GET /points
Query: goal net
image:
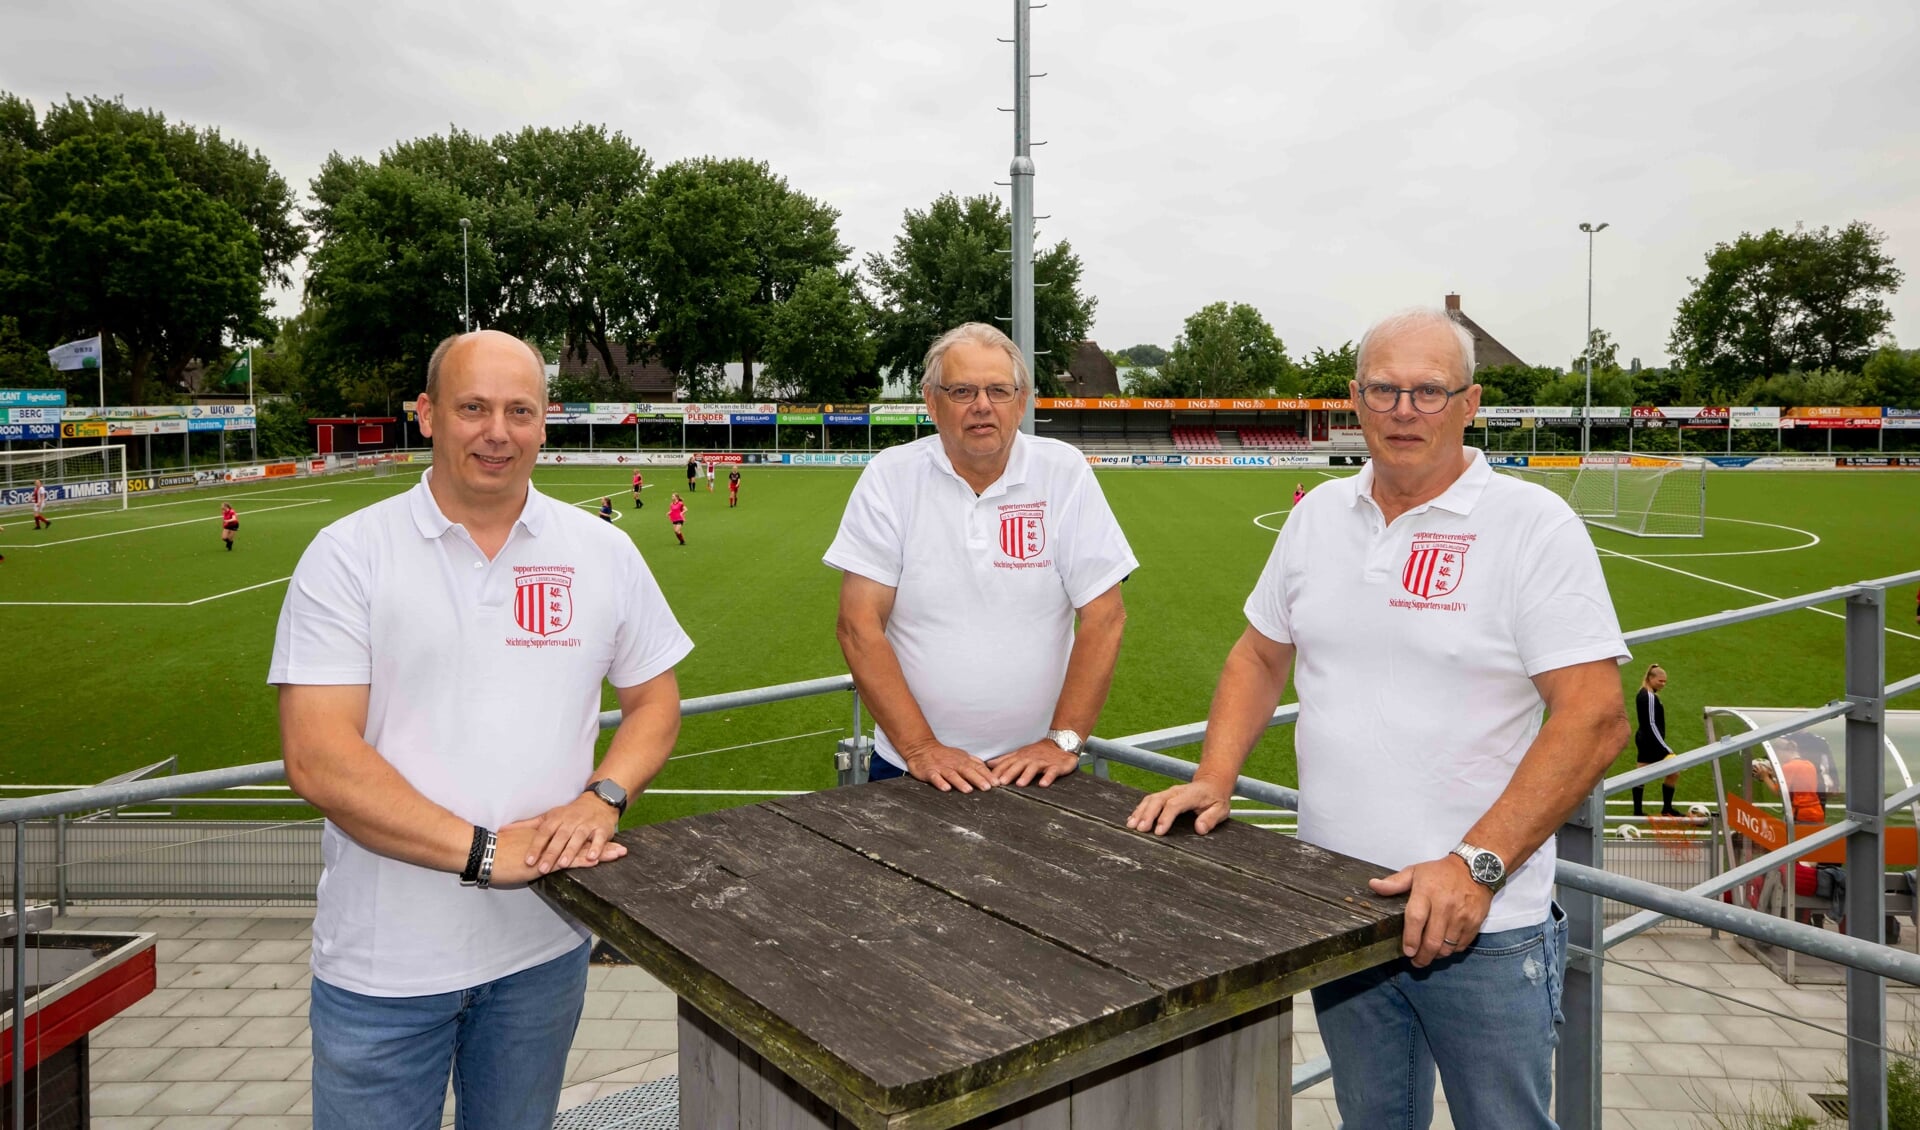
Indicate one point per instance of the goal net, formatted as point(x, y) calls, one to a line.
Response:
point(1643, 495)
point(90, 477)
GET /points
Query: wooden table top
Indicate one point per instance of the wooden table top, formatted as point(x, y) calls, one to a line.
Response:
point(895, 948)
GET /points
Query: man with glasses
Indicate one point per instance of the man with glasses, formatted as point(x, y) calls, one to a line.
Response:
point(1429, 611)
point(966, 556)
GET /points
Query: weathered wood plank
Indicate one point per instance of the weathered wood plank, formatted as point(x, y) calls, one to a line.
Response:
point(1237, 1075)
point(1269, 857)
point(1142, 1093)
point(709, 1072)
point(1184, 921)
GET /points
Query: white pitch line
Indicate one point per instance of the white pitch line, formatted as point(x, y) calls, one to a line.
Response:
point(138, 603)
point(161, 526)
point(1738, 588)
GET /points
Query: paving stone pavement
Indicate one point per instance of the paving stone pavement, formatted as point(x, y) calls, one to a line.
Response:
point(222, 1042)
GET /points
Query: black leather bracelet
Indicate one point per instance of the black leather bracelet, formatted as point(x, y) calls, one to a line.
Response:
point(470, 875)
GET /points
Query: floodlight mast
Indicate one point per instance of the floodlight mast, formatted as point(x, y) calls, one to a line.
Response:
point(1586, 413)
point(1022, 183)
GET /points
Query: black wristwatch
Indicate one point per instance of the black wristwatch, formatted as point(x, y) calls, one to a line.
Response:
point(1487, 869)
point(613, 794)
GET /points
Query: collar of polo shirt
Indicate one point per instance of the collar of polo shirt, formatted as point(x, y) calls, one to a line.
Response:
point(1459, 497)
point(1012, 475)
point(431, 523)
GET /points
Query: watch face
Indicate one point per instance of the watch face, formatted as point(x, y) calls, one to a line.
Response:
point(1487, 867)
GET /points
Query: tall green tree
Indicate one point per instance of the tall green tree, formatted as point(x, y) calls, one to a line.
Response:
point(156, 234)
point(949, 266)
point(1606, 353)
point(1894, 374)
point(1782, 301)
point(722, 243)
point(1512, 384)
point(818, 345)
point(1324, 374)
point(544, 256)
point(1225, 350)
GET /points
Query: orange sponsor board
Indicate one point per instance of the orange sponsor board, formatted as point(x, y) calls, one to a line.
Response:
point(1750, 821)
point(281, 470)
point(1184, 404)
point(1829, 413)
point(1553, 461)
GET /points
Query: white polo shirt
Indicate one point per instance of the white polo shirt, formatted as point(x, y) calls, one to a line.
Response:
point(1415, 648)
point(987, 585)
point(484, 681)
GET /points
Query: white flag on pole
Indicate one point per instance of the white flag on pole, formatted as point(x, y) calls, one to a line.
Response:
point(82, 354)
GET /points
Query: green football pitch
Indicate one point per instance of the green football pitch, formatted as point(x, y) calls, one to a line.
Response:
point(133, 636)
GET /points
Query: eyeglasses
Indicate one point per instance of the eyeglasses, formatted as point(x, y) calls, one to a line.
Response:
point(1427, 399)
point(964, 394)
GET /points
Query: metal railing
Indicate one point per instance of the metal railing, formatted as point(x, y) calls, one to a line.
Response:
point(1583, 883)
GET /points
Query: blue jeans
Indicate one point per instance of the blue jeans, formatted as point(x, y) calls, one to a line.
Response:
point(381, 1063)
point(880, 769)
point(1486, 1018)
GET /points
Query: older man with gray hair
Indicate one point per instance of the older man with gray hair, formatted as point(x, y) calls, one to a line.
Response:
point(1429, 613)
point(966, 557)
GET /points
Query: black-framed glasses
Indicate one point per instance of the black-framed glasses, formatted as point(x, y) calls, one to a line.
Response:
point(1427, 399)
point(965, 394)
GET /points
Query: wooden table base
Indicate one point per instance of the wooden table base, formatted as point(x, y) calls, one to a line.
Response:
point(1233, 1076)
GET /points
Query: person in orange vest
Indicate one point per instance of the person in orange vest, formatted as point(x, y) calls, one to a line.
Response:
point(1803, 779)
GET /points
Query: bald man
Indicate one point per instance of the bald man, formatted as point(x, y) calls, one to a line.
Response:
point(440, 658)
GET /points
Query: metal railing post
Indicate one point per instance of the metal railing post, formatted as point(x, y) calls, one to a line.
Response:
point(19, 972)
point(60, 863)
point(1577, 1083)
point(1866, 856)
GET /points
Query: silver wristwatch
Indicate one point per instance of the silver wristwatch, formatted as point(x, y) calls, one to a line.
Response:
point(1486, 868)
point(1067, 740)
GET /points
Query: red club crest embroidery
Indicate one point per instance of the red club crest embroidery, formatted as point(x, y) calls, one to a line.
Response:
point(543, 602)
point(1023, 533)
point(1434, 567)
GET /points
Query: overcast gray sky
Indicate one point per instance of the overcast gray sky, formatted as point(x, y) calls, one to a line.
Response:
point(1325, 162)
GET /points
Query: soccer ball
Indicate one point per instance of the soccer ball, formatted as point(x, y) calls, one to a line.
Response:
point(1698, 812)
point(1628, 831)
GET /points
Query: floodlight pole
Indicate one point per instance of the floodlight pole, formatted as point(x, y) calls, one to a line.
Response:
point(1586, 413)
point(1022, 183)
point(466, 299)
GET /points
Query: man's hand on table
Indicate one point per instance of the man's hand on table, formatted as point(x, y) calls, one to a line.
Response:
point(1041, 759)
point(576, 834)
point(1445, 907)
point(1209, 803)
point(947, 768)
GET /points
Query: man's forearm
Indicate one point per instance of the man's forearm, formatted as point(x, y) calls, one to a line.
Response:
point(1243, 704)
point(640, 746)
point(367, 798)
point(883, 687)
point(1096, 649)
point(1566, 759)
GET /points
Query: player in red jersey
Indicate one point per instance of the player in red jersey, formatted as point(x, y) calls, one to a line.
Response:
point(733, 487)
point(229, 522)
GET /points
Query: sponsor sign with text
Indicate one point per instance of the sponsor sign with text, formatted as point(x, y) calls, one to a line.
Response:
point(32, 398)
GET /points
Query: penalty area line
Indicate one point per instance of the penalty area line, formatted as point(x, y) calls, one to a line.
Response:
point(1892, 631)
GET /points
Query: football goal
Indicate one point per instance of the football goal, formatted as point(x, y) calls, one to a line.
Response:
point(1643, 495)
point(91, 476)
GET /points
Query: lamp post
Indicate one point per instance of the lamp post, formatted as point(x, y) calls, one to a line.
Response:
point(1586, 413)
point(466, 300)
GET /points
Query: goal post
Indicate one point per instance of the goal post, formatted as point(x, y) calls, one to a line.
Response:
point(94, 477)
point(1645, 496)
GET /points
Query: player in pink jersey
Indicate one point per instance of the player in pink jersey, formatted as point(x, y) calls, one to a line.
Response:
point(639, 484)
point(677, 514)
point(1299, 492)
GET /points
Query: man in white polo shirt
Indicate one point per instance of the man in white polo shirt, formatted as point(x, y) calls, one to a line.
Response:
point(966, 556)
point(1429, 610)
point(440, 657)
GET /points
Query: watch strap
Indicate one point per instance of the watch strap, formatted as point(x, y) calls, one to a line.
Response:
point(470, 874)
